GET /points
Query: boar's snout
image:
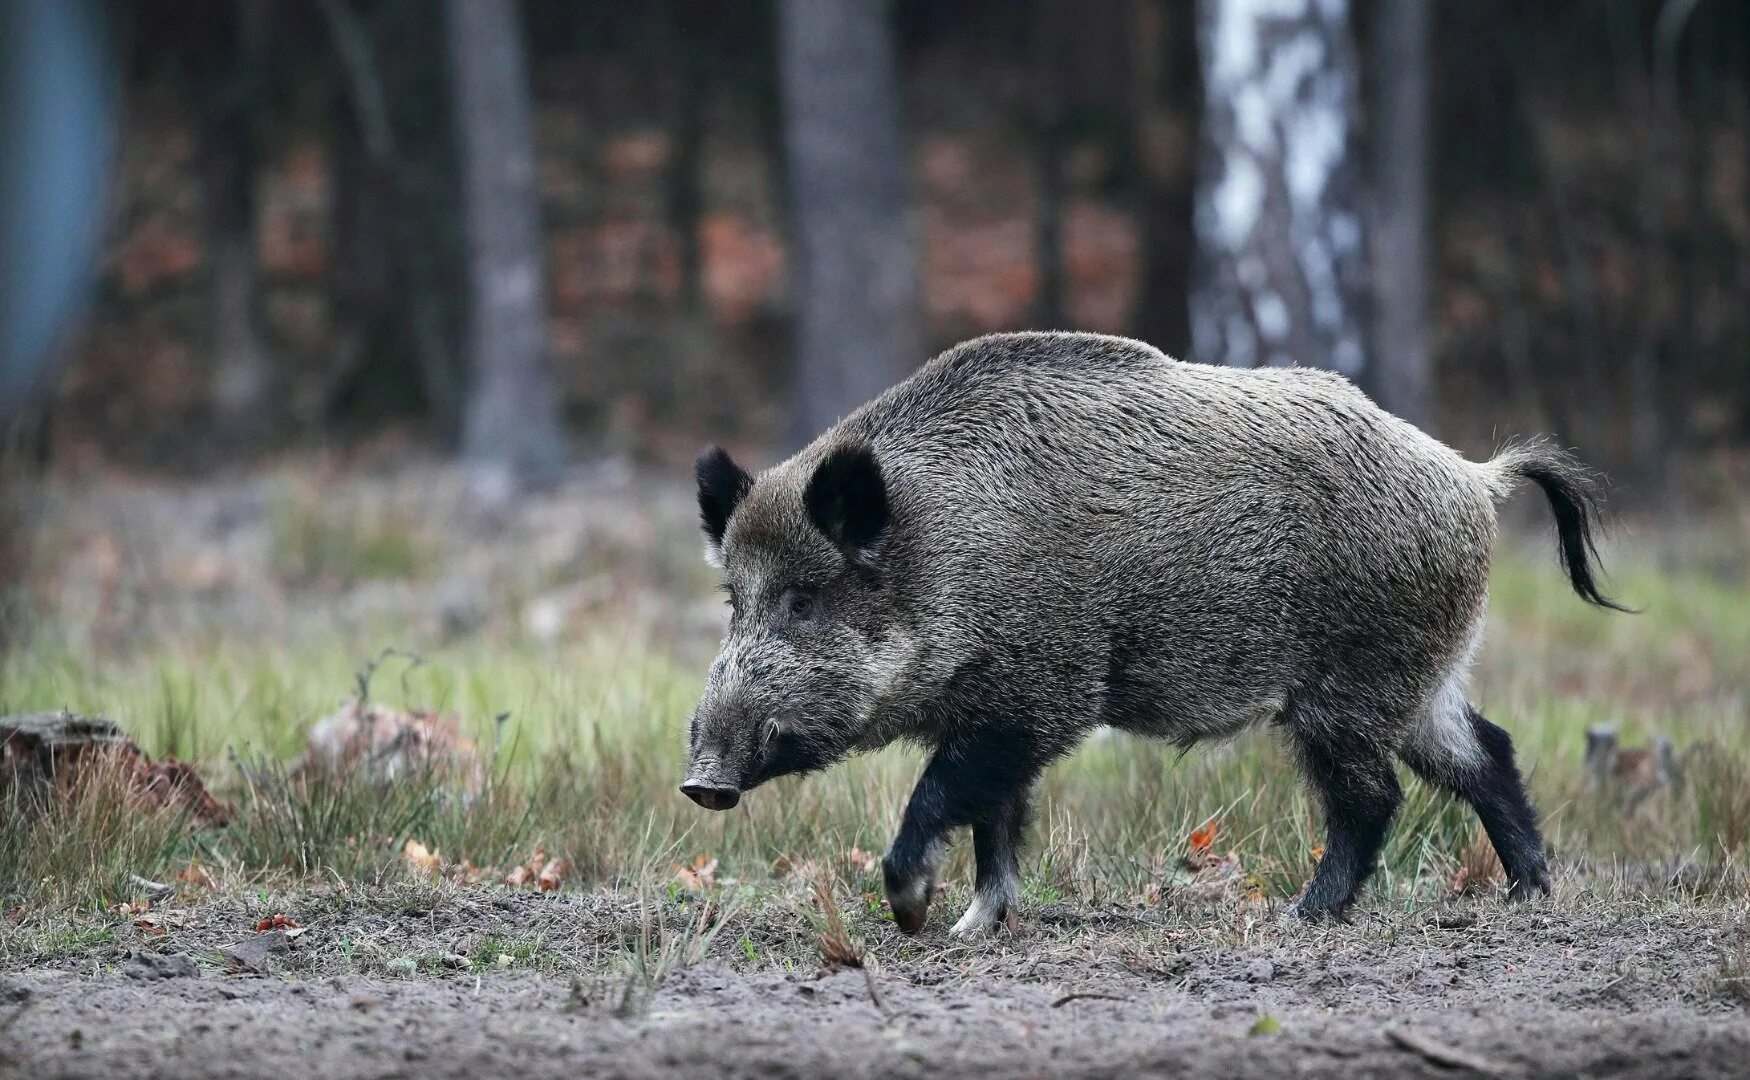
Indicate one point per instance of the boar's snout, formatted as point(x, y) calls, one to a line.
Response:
point(710, 795)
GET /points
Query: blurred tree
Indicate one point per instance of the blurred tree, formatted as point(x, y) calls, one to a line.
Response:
point(242, 389)
point(681, 33)
point(1281, 271)
point(1400, 374)
point(511, 419)
point(1049, 19)
point(398, 253)
point(1167, 100)
point(856, 277)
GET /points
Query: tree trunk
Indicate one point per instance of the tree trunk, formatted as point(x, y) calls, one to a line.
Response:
point(1168, 100)
point(1048, 300)
point(1281, 271)
point(1402, 368)
point(511, 419)
point(242, 369)
point(686, 197)
point(856, 275)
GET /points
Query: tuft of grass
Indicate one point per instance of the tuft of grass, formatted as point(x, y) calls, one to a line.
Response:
point(586, 766)
point(82, 845)
point(317, 544)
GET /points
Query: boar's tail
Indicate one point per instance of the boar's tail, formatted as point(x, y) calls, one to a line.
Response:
point(1573, 494)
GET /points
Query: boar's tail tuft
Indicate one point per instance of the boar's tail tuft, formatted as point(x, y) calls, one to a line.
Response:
point(1573, 494)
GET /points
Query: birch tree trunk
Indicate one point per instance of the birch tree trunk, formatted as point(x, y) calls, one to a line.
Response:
point(1281, 266)
point(1402, 368)
point(856, 276)
point(511, 417)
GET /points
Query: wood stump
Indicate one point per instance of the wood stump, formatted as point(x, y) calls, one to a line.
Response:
point(46, 755)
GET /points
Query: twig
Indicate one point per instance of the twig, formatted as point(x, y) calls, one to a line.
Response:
point(875, 994)
point(1441, 1054)
point(1067, 998)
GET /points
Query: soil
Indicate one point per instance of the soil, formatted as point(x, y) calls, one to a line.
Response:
point(1618, 991)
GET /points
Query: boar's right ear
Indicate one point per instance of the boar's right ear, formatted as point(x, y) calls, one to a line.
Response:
point(722, 486)
point(847, 500)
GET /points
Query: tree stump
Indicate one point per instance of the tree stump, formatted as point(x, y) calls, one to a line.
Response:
point(46, 755)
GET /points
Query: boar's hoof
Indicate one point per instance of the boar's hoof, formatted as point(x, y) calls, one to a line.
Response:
point(1302, 912)
point(986, 915)
point(1529, 889)
point(909, 918)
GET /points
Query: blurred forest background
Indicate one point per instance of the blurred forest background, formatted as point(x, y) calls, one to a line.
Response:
point(525, 232)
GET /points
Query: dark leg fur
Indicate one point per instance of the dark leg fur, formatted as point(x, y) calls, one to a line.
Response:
point(982, 783)
point(1494, 788)
point(1358, 788)
point(996, 841)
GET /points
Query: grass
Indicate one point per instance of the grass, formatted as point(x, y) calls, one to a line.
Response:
point(585, 767)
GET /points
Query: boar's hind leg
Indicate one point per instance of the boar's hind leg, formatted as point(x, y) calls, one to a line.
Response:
point(1472, 758)
point(1352, 773)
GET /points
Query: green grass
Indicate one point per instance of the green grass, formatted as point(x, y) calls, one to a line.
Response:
point(335, 546)
point(585, 767)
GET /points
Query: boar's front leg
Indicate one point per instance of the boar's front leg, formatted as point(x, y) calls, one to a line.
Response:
point(996, 841)
point(977, 784)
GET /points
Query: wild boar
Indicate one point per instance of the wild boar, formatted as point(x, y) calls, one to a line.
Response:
point(1038, 534)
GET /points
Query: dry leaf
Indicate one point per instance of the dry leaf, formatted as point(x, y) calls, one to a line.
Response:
point(1204, 838)
point(1479, 868)
point(519, 876)
point(276, 922)
point(548, 879)
point(133, 907)
point(197, 875)
point(865, 861)
point(418, 857)
point(700, 876)
point(466, 873)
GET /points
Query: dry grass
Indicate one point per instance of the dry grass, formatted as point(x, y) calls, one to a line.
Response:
point(584, 772)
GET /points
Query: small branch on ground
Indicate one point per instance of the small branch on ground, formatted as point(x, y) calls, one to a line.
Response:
point(1441, 1054)
point(1067, 998)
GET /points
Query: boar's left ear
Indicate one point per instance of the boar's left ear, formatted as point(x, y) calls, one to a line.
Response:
point(722, 486)
point(847, 500)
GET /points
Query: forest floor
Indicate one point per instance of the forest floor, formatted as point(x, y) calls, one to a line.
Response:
point(550, 905)
point(1570, 987)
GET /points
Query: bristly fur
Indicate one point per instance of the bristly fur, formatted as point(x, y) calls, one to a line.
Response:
point(1077, 531)
point(722, 485)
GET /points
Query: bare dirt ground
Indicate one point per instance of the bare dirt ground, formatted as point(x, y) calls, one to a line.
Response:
point(1452, 990)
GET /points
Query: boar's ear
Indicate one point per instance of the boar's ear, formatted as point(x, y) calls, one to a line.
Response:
point(847, 500)
point(722, 486)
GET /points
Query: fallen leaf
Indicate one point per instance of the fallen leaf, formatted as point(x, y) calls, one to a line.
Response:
point(466, 873)
point(133, 907)
point(548, 879)
point(700, 876)
point(1265, 1025)
point(418, 857)
point(543, 872)
point(276, 922)
point(1204, 838)
point(866, 861)
point(197, 875)
point(149, 926)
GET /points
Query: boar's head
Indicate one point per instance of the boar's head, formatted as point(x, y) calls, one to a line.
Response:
point(810, 644)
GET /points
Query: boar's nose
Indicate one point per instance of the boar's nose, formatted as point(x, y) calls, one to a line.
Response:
point(711, 796)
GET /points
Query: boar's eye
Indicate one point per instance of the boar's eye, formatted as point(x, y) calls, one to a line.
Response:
point(803, 605)
point(728, 596)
